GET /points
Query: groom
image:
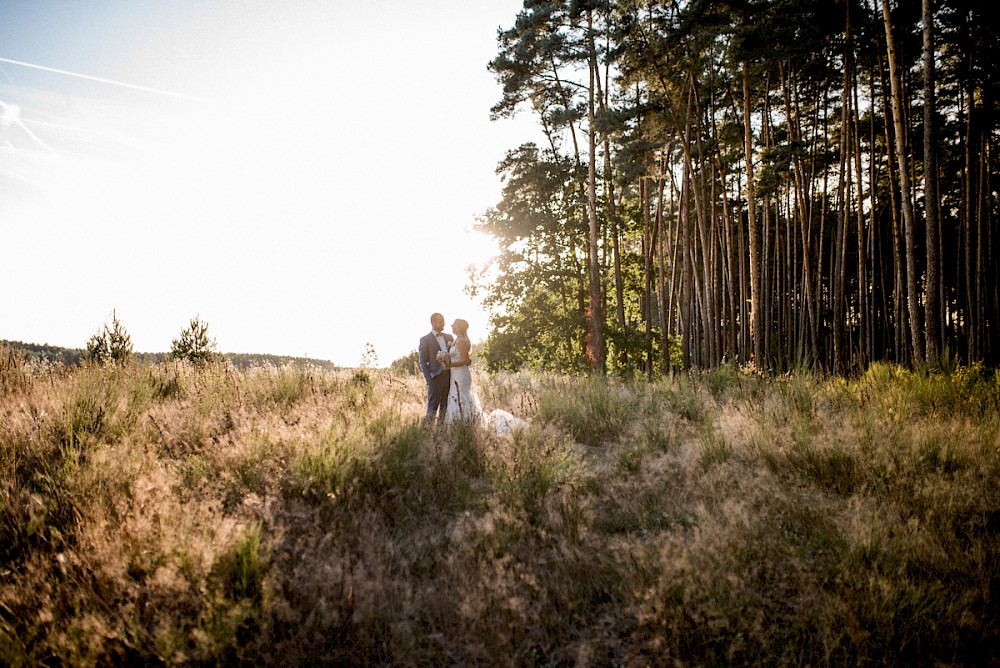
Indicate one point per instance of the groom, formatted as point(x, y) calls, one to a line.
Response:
point(437, 374)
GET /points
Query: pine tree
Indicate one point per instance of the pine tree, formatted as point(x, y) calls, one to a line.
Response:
point(112, 344)
point(194, 344)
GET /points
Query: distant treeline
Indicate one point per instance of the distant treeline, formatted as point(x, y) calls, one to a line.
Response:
point(74, 356)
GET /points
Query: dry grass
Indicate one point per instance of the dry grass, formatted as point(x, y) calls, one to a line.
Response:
point(180, 515)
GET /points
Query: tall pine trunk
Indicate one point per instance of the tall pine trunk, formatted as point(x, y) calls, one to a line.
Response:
point(906, 191)
point(595, 313)
point(932, 290)
point(756, 315)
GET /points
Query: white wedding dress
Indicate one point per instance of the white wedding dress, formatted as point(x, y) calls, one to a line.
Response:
point(463, 404)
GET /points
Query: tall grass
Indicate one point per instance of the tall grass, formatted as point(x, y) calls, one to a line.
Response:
point(595, 411)
point(175, 514)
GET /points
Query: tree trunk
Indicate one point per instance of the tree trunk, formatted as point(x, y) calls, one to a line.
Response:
point(864, 335)
point(595, 313)
point(756, 316)
point(932, 290)
point(803, 216)
point(906, 197)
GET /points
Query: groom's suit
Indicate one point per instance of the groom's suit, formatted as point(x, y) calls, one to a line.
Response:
point(437, 375)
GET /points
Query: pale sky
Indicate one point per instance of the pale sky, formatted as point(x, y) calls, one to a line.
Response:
point(303, 175)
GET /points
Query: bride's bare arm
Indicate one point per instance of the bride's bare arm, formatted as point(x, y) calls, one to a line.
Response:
point(464, 346)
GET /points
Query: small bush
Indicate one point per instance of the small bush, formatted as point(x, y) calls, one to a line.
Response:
point(359, 389)
point(165, 381)
point(721, 380)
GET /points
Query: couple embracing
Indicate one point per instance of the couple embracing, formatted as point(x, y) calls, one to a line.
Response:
point(444, 361)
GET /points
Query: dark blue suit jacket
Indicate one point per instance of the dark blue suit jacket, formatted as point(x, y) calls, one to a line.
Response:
point(428, 350)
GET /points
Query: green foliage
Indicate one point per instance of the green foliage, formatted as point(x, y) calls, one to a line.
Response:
point(194, 344)
point(55, 355)
point(250, 471)
point(538, 290)
point(45, 354)
point(407, 365)
point(720, 379)
point(322, 467)
point(112, 344)
point(35, 510)
point(359, 389)
point(468, 448)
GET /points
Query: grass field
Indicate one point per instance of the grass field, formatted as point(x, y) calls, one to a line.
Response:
point(168, 514)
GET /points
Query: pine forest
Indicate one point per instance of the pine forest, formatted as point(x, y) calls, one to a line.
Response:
point(784, 184)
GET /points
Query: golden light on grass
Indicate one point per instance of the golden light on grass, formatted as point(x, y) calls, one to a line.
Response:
point(184, 514)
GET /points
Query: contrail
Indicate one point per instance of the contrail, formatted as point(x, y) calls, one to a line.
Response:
point(14, 117)
point(35, 137)
point(112, 82)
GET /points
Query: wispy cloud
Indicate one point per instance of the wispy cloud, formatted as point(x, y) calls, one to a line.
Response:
point(110, 82)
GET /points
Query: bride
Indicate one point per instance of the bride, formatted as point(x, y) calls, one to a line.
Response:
point(463, 404)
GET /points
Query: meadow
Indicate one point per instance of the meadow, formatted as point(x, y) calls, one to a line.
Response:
point(170, 514)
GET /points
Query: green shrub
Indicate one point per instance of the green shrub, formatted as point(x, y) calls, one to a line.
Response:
point(291, 385)
point(194, 344)
point(468, 455)
point(110, 345)
point(721, 379)
point(359, 389)
point(232, 609)
point(408, 365)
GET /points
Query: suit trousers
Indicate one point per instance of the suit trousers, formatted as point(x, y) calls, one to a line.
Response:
point(437, 396)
